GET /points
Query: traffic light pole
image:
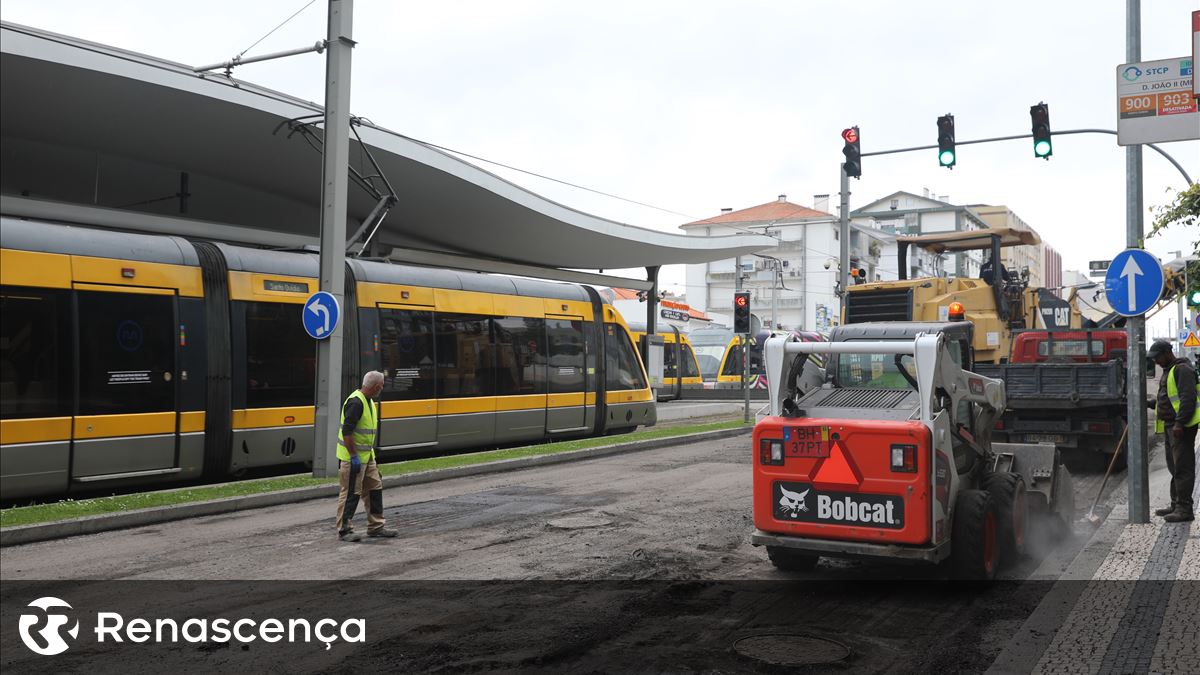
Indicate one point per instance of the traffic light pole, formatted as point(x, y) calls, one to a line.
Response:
point(1068, 132)
point(737, 286)
point(844, 240)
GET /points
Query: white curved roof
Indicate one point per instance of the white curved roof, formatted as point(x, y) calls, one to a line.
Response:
point(68, 103)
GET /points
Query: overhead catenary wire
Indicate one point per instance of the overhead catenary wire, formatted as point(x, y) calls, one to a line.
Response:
point(270, 32)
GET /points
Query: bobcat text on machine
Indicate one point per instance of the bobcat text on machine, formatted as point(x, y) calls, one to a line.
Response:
point(892, 457)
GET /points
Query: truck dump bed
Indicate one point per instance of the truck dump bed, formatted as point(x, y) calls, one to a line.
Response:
point(1059, 385)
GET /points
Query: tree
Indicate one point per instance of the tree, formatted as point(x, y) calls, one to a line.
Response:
point(1183, 212)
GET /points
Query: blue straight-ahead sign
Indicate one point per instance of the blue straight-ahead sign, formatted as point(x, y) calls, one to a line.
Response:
point(320, 315)
point(1134, 282)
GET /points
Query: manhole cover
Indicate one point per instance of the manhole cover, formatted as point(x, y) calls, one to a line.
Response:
point(781, 649)
point(578, 522)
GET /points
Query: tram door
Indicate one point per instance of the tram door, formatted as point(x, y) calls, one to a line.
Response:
point(571, 390)
point(126, 423)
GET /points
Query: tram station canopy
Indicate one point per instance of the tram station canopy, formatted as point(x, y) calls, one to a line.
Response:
point(96, 129)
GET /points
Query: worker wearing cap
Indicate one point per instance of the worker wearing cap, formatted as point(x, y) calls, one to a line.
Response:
point(1178, 419)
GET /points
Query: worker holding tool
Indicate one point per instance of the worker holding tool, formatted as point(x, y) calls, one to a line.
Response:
point(1178, 419)
point(358, 475)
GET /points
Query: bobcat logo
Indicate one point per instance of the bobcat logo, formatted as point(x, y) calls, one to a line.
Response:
point(793, 502)
point(50, 634)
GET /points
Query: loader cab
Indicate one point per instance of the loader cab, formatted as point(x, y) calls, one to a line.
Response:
point(874, 371)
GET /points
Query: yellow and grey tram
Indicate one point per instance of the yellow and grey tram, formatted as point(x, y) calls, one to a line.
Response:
point(133, 359)
point(680, 369)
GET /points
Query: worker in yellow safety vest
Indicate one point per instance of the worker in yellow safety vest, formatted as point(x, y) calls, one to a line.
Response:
point(358, 475)
point(1178, 420)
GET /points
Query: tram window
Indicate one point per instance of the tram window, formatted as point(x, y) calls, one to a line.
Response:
point(464, 356)
point(35, 338)
point(757, 367)
point(733, 362)
point(520, 355)
point(622, 369)
point(127, 356)
point(670, 361)
point(280, 357)
point(406, 347)
point(690, 369)
point(567, 353)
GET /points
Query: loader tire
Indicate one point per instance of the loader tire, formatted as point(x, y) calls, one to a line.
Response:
point(1012, 513)
point(791, 561)
point(975, 545)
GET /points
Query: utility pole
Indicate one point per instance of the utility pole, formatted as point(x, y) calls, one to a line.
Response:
point(336, 152)
point(1139, 479)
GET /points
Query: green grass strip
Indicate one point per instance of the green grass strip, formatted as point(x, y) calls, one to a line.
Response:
point(69, 508)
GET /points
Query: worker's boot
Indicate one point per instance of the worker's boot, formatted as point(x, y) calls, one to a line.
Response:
point(382, 532)
point(350, 536)
point(1165, 512)
point(1179, 516)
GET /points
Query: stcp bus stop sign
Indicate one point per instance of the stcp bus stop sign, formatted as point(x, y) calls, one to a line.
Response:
point(320, 315)
point(1134, 282)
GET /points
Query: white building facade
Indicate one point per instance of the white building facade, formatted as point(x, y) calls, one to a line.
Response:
point(793, 285)
point(906, 214)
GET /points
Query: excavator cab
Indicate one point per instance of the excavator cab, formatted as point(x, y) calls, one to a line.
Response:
point(997, 302)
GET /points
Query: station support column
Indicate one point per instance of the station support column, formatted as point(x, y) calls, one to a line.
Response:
point(334, 187)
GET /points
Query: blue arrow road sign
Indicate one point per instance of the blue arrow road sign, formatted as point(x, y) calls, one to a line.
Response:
point(1134, 282)
point(320, 315)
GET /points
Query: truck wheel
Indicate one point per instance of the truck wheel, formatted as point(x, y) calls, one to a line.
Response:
point(975, 545)
point(791, 561)
point(1012, 512)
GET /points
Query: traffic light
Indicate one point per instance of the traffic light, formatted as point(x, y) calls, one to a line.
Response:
point(853, 153)
point(1039, 115)
point(946, 141)
point(1193, 299)
point(741, 312)
point(858, 275)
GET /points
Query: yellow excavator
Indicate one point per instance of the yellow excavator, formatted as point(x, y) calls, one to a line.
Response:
point(997, 304)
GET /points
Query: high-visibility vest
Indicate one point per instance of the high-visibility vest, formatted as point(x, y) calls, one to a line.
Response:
point(364, 431)
point(1173, 397)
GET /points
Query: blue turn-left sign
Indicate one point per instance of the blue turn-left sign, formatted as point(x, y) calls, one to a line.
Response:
point(1134, 282)
point(320, 315)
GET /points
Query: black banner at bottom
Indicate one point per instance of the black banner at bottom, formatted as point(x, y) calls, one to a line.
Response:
point(366, 625)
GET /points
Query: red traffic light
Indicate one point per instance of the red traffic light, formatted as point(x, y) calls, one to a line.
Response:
point(850, 135)
point(741, 300)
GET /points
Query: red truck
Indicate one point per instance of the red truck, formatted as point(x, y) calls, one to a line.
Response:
point(1065, 388)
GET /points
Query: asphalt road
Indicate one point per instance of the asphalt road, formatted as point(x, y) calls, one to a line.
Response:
point(629, 562)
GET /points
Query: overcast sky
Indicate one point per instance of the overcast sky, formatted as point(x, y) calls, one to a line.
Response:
point(694, 106)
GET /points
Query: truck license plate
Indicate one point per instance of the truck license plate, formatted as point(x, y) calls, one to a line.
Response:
point(1057, 439)
point(806, 441)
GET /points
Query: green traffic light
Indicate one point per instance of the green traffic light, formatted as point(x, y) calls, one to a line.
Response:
point(946, 158)
point(1195, 298)
point(1041, 148)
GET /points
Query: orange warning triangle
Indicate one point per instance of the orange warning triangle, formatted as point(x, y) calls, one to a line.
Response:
point(1192, 340)
point(837, 468)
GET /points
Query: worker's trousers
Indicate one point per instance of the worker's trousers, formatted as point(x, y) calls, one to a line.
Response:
point(359, 483)
point(1181, 462)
